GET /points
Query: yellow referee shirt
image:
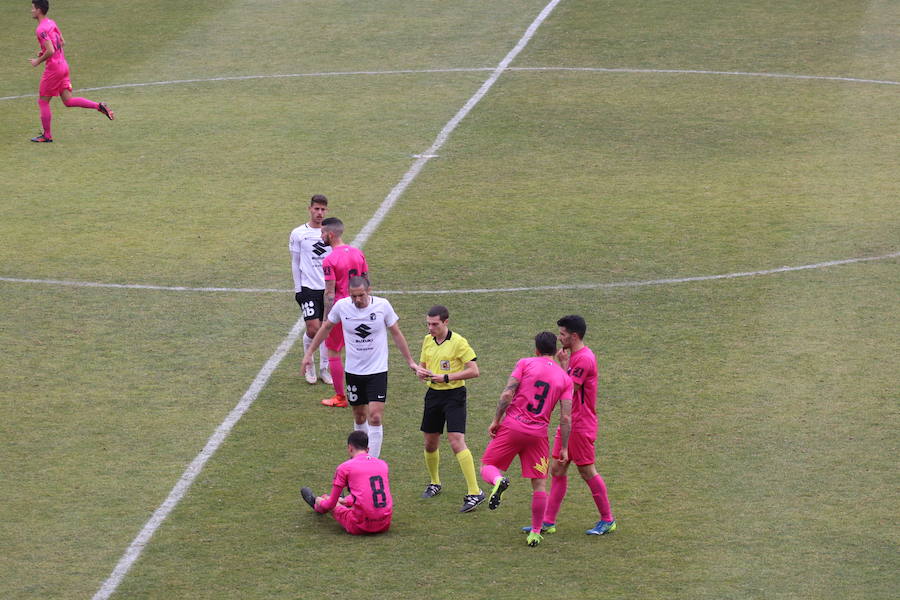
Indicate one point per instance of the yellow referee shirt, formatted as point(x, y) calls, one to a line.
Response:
point(450, 356)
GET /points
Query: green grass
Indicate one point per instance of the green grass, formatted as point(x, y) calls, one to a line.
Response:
point(748, 426)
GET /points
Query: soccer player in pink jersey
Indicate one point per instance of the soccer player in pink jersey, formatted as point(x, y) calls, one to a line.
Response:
point(581, 365)
point(520, 427)
point(369, 506)
point(55, 80)
point(343, 262)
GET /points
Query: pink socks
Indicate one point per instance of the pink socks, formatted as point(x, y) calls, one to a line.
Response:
point(81, 103)
point(46, 117)
point(538, 506)
point(337, 374)
point(557, 492)
point(490, 473)
point(598, 491)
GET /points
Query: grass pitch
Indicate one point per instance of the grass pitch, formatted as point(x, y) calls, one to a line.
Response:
point(748, 426)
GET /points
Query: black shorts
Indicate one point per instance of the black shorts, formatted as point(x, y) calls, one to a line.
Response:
point(444, 406)
point(312, 303)
point(362, 389)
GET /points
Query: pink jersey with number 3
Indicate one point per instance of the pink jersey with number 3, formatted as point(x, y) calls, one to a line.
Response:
point(367, 479)
point(542, 383)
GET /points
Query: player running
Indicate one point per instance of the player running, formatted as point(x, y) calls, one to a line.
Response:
point(520, 427)
point(581, 365)
point(55, 80)
point(344, 262)
point(308, 250)
point(369, 506)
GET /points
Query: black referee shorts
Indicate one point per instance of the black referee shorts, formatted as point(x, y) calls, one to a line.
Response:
point(445, 406)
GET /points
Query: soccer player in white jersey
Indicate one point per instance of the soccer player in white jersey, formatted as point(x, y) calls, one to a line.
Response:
point(366, 321)
point(308, 250)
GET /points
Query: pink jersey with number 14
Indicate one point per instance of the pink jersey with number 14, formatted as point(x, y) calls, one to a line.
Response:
point(47, 30)
point(542, 383)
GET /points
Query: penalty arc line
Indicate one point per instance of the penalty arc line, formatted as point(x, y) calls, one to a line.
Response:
point(573, 286)
point(190, 474)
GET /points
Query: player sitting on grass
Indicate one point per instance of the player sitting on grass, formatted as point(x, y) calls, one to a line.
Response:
point(369, 506)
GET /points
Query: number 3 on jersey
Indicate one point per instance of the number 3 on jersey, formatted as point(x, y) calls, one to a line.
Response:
point(544, 388)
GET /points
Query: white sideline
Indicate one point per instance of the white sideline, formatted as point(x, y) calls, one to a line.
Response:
point(134, 550)
point(573, 286)
point(471, 70)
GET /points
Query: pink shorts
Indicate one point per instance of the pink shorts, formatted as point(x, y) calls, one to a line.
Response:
point(335, 339)
point(581, 448)
point(354, 521)
point(54, 81)
point(532, 451)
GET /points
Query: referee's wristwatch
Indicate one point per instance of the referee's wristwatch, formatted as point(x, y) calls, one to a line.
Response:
point(446, 378)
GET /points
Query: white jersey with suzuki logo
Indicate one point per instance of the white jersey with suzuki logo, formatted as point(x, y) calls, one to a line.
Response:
point(308, 251)
point(365, 333)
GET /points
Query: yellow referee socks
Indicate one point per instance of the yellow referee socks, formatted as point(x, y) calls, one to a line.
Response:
point(468, 468)
point(433, 462)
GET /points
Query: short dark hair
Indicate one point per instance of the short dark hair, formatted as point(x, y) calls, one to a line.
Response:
point(318, 199)
point(439, 311)
point(545, 343)
point(574, 324)
point(358, 280)
point(41, 5)
point(333, 224)
point(358, 439)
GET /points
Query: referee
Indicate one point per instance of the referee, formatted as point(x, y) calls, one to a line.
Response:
point(446, 362)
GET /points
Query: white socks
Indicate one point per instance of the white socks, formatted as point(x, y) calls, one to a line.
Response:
point(376, 435)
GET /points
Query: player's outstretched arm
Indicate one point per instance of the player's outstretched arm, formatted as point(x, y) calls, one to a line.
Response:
point(403, 347)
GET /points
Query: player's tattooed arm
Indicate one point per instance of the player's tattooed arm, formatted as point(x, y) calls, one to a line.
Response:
point(329, 295)
point(506, 397)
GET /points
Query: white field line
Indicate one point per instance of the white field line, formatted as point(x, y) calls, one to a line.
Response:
point(573, 286)
point(439, 141)
point(472, 70)
point(634, 284)
point(137, 546)
point(134, 550)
